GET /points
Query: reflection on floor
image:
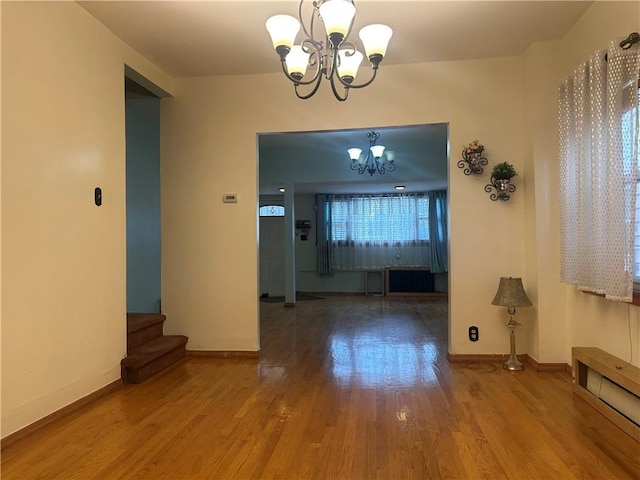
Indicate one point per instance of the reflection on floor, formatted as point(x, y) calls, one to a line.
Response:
point(345, 388)
point(362, 341)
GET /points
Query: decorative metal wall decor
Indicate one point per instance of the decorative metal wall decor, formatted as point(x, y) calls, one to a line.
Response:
point(472, 159)
point(501, 176)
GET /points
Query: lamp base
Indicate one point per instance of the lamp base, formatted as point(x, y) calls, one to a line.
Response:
point(513, 364)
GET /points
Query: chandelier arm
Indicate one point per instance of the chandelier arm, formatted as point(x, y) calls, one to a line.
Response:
point(332, 73)
point(335, 91)
point(331, 61)
point(364, 166)
point(349, 46)
point(312, 92)
point(304, 27)
point(368, 165)
point(361, 85)
point(315, 45)
point(355, 166)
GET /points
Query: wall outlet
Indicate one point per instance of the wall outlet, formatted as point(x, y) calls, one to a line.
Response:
point(474, 333)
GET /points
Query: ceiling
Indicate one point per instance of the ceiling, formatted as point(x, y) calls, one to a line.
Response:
point(205, 38)
point(319, 163)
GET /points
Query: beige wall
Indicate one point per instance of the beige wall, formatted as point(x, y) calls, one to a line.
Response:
point(210, 248)
point(508, 103)
point(547, 340)
point(63, 258)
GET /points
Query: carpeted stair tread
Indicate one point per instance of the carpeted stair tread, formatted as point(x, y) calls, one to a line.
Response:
point(140, 321)
point(143, 354)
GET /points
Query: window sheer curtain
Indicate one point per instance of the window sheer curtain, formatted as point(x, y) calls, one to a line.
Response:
point(371, 232)
point(598, 113)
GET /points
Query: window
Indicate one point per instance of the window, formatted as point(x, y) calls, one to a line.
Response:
point(371, 232)
point(377, 219)
point(272, 211)
point(376, 231)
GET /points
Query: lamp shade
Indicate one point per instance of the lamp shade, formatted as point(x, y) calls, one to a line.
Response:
point(337, 16)
point(511, 293)
point(375, 39)
point(377, 150)
point(283, 30)
point(348, 64)
point(297, 60)
point(354, 153)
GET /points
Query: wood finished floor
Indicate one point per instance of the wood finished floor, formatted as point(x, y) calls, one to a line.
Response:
point(345, 388)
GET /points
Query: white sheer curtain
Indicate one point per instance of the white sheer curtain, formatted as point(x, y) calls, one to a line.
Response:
point(375, 231)
point(598, 107)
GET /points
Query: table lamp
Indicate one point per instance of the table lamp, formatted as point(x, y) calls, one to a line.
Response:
point(511, 294)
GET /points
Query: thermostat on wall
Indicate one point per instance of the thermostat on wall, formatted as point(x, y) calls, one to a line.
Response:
point(230, 198)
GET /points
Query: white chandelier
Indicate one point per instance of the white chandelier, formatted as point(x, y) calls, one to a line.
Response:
point(373, 161)
point(335, 58)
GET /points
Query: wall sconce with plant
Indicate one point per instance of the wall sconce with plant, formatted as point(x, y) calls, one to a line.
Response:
point(501, 176)
point(472, 159)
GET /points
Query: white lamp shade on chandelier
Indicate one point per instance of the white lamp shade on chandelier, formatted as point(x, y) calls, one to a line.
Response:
point(334, 58)
point(283, 30)
point(348, 63)
point(297, 61)
point(354, 153)
point(375, 39)
point(337, 16)
point(377, 150)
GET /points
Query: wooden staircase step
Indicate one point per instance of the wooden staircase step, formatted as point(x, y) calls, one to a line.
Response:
point(146, 360)
point(140, 321)
point(143, 328)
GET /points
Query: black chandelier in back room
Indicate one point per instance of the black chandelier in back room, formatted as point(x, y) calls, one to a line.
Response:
point(375, 160)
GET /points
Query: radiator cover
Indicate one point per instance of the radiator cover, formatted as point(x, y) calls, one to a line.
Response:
point(408, 280)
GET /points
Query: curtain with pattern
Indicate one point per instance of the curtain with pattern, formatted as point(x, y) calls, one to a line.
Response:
point(371, 232)
point(598, 122)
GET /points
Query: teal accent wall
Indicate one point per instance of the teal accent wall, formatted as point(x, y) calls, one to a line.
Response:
point(143, 204)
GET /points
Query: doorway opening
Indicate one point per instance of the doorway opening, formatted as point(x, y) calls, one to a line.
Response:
point(315, 163)
point(142, 137)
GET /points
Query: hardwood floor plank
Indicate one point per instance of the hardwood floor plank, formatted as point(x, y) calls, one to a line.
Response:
point(345, 388)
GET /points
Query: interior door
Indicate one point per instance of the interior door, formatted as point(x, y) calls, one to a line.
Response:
point(272, 256)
